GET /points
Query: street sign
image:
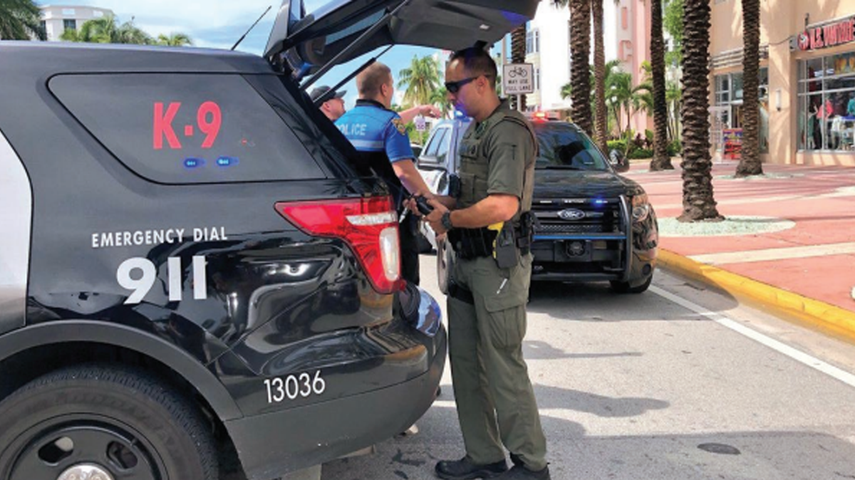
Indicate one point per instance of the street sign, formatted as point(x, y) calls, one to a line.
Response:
point(517, 78)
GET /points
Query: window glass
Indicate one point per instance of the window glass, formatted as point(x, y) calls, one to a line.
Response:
point(442, 152)
point(562, 146)
point(69, 24)
point(729, 92)
point(433, 146)
point(736, 88)
point(826, 118)
point(174, 128)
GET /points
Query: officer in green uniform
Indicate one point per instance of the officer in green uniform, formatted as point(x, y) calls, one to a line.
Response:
point(489, 226)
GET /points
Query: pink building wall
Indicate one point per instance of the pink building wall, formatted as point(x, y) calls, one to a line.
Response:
point(633, 37)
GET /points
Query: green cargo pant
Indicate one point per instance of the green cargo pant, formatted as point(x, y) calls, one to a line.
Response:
point(494, 396)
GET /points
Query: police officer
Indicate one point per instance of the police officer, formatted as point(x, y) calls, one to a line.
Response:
point(333, 108)
point(486, 305)
point(380, 137)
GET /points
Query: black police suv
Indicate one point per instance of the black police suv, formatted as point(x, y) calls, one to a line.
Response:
point(192, 270)
point(592, 223)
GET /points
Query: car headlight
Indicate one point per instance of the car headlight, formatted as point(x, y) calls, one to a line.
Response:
point(640, 208)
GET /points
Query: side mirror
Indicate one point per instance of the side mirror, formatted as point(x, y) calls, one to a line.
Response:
point(618, 161)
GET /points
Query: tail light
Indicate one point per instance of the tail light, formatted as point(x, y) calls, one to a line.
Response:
point(368, 225)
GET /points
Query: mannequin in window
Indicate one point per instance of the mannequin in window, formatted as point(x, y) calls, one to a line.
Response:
point(836, 132)
point(814, 139)
point(850, 109)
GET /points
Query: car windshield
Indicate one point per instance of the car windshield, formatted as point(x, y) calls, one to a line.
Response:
point(564, 147)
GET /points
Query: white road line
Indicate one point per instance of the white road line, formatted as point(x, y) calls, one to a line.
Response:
point(737, 327)
point(785, 253)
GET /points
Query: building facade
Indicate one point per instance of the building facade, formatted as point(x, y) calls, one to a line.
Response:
point(58, 18)
point(807, 78)
point(548, 49)
point(633, 48)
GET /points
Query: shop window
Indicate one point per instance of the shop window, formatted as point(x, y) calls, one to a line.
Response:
point(826, 118)
point(729, 92)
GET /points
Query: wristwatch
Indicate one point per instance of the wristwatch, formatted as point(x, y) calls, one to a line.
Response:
point(446, 221)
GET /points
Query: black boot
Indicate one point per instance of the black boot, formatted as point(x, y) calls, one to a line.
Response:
point(466, 470)
point(520, 472)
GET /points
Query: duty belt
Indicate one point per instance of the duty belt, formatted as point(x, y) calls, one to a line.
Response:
point(472, 243)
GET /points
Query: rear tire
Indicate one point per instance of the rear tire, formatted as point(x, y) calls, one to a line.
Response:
point(124, 422)
point(625, 287)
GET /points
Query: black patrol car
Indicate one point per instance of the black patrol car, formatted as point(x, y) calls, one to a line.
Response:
point(192, 270)
point(592, 223)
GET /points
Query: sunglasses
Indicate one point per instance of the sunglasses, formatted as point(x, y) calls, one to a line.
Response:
point(454, 87)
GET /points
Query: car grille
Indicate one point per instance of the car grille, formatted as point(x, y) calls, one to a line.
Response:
point(558, 228)
point(601, 216)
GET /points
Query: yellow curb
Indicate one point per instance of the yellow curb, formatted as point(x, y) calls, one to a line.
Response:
point(830, 319)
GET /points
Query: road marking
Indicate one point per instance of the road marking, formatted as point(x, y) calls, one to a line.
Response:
point(737, 327)
point(784, 253)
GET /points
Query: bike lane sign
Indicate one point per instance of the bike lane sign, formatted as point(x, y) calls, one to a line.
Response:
point(517, 78)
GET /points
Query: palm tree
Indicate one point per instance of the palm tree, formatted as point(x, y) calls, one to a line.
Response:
point(107, 30)
point(439, 98)
point(698, 201)
point(600, 121)
point(661, 159)
point(620, 95)
point(599, 80)
point(749, 163)
point(174, 40)
point(518, 56)
point(421, 79)
point(99, 30)
point(20, 20)
point(580, 78)
point(130, 34)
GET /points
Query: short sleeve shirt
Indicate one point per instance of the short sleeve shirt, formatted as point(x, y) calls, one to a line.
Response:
point(372, 128)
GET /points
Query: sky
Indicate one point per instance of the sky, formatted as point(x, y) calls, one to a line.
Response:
point(220, 23)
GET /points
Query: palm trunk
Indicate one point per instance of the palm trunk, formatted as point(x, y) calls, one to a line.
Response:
point(698, 201)
point(580, 74)
point(749, 163)
point(617, 121)
point(518, 56)
point(628, 118)
point(661, 159)
point(601, 122)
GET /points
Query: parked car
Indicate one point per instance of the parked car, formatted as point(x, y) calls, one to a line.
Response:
point(193, 268)
point(593, 223)
point(417, 149)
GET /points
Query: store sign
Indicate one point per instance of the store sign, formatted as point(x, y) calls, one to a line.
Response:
point(828, 36)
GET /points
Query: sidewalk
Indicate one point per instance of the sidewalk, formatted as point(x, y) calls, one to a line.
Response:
point(788, 243)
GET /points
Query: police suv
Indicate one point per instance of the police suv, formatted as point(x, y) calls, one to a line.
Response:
point(192, 270)
point(592, 223)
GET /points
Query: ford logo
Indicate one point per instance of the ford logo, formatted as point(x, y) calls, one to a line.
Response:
point(571, 214)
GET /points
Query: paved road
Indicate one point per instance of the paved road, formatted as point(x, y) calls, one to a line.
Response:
point(663, 385)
